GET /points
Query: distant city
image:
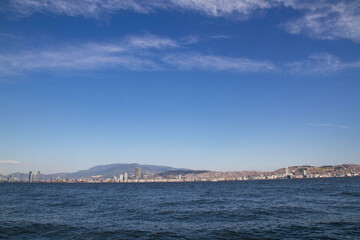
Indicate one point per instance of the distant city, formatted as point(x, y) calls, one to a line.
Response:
point(163, 174)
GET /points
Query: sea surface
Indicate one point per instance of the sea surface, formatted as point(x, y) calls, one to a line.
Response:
point(265, 209)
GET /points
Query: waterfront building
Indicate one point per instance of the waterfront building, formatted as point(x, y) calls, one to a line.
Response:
point(38, 178)
point(137, 173)
point(125, 176)
point(286, 171)
point(30, 174)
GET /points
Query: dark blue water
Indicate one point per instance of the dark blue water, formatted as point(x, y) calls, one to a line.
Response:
point(274, 209)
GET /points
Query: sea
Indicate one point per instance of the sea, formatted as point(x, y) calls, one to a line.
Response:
point(323, 208)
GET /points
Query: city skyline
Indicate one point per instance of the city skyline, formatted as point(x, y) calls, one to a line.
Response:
point(217, 85)
point(121, 173)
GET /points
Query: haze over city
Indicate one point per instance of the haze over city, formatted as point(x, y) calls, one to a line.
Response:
point(215, 85)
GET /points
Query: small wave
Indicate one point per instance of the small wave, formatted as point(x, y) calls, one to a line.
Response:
point(353, 194)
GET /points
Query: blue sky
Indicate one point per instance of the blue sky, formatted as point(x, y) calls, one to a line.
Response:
point(220, 85)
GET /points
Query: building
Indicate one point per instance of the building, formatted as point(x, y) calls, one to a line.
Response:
point(38, 178)
point(137, 173)
point(125, 176)
point(286, 171)
point(30, 175)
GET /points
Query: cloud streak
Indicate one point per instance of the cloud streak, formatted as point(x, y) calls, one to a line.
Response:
point(328, 125)
point(216, 63)
point(326, 19)
point(136, 53)
point(323, 19)
point(97, 8)
point(320, 63)
point(9, 162)
point(126, 53)
point(153, 53)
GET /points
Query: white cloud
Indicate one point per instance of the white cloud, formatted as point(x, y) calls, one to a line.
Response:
point(239, 9)
point(191, 39)
point(8, 162)
point(326, 19)
point(220, 36)
point(328, 125)
point(322, 19)
point(137, 53)
point(151, 41)
point(320, 63)
point(152, 53)
point(127, 53)
point(216, 63)
point(8, 35)
point(86, 8)
point(97, 8)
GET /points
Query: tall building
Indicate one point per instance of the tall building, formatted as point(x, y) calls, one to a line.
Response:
point(38, 178)
point(30, 174)
point(125, 176)
point(286, 171)
point(137, 173)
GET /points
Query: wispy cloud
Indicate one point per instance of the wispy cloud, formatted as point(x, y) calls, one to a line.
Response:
point(137, 53)
point(151, 41)
point(323, 19)
point(127, 53)
point(327, 125)
point(326, 19)
point(191, 39)
point(320, 63)
point(152, 53)
point(220, 36)
point(216, 63)
point(96, 9)
point(9, 162)
point(8, 35)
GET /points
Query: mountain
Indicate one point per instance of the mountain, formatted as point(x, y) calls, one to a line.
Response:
point(110, 170)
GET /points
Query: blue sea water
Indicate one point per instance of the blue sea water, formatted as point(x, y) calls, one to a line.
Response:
point(269, 209)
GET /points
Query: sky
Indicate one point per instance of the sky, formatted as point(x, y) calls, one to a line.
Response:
point(219, 85)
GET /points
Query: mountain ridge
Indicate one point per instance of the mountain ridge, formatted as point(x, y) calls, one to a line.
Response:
point(116, 169)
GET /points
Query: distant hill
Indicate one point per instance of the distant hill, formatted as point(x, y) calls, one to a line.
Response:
point(175, 173)
point(351, 168)
point(110, 170)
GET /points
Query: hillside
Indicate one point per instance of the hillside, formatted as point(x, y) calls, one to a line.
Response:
point(110, 170)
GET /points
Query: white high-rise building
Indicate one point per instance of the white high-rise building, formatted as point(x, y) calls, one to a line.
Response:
point(286, 171)
point(38, 176)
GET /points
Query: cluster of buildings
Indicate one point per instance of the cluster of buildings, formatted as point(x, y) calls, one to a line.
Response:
point(213, 176)
point(32, 177)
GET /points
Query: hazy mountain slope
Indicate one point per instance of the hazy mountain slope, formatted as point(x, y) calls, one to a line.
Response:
point(110, 170)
